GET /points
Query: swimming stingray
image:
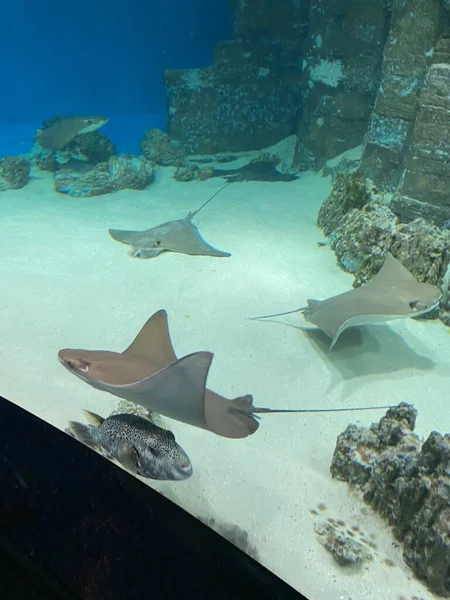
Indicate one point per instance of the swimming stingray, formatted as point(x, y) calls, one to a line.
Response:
point(393, 293)
point(64, 130)
point(173, 236)
point(262, 170)
point(149, 373)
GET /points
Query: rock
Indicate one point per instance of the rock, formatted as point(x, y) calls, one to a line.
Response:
point(158, 149)
point(186, 174)
point(344, 167)
point(92, 148)
point(411, 37)
point(408, 484)
point(341, 73)
point(345, 549)
point(423, 190)
point(14, 172)
point(349, 191)
point(118, 173)
point(362, 239)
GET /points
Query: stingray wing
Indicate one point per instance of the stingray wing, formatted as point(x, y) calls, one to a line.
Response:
point(152, 343)
point(176, 391)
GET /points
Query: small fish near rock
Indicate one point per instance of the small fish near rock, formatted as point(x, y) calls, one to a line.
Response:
point(117, 173)
point(14, 172)
point(136, 443)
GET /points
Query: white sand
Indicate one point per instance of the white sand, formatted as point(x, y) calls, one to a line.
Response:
point(65, 283)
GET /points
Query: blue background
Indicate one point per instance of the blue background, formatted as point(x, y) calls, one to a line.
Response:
point(99, 57)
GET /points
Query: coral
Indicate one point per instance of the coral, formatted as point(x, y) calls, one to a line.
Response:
point(408, 483)
point(119, 172)
point(14, 172)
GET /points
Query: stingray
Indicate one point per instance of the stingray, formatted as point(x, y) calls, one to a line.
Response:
point(262, 170)
point(173, 236)
point(148, 373)
point(393, 293)
point(63, 131)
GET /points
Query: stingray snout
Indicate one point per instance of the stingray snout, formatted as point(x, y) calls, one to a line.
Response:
point(73, 363)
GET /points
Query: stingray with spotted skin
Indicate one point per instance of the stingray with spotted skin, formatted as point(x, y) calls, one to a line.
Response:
point(180, 236)
point(148, 373)
point(393, 293)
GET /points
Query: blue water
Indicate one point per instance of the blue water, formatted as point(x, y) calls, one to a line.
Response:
point(98, 58)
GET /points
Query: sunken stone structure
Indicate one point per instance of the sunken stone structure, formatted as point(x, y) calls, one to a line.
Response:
point(408, 483)
point(251, 97)
point(341, 75)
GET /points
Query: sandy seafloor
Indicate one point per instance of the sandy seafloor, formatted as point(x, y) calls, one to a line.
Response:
point(66, 283)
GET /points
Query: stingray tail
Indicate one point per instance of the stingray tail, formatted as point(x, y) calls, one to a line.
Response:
point(257, 409)
point(288, 312)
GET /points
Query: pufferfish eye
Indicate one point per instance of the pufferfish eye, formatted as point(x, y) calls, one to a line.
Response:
point(418, 305)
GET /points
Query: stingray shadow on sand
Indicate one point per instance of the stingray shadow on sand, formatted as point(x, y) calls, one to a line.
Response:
point(374, 351)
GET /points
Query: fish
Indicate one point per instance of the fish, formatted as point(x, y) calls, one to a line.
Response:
point(136, 443)
point(61, 133)
point(181, 236)
point(393, 293)
point(149, 373)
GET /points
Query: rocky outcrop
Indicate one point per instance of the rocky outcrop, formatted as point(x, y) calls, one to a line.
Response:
point(408, 483)
point(425, 182)
point(349, 191)
point(341, 73)
point(414, 29)
point(118, 173)
point(14, 172)
point(156, 146)
point(250, 97)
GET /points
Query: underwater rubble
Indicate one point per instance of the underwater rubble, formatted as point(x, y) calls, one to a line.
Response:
point(408, 483)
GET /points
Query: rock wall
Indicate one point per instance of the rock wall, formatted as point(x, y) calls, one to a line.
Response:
point(341, 74)
point(250, 97)
point(414, 30)
point(425, 182)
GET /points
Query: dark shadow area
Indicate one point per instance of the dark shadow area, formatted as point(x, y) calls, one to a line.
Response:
point(364, 351)
point(72, 519)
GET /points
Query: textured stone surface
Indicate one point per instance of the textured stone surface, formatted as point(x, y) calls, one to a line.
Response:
point(424, 187)
point(118, 173)
point(250, 97)
point(349, 191)
point(14, 172)
point(408, 484)
point(414, 28)
point(341, 72)
point(156, 146)
point(345, 549)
